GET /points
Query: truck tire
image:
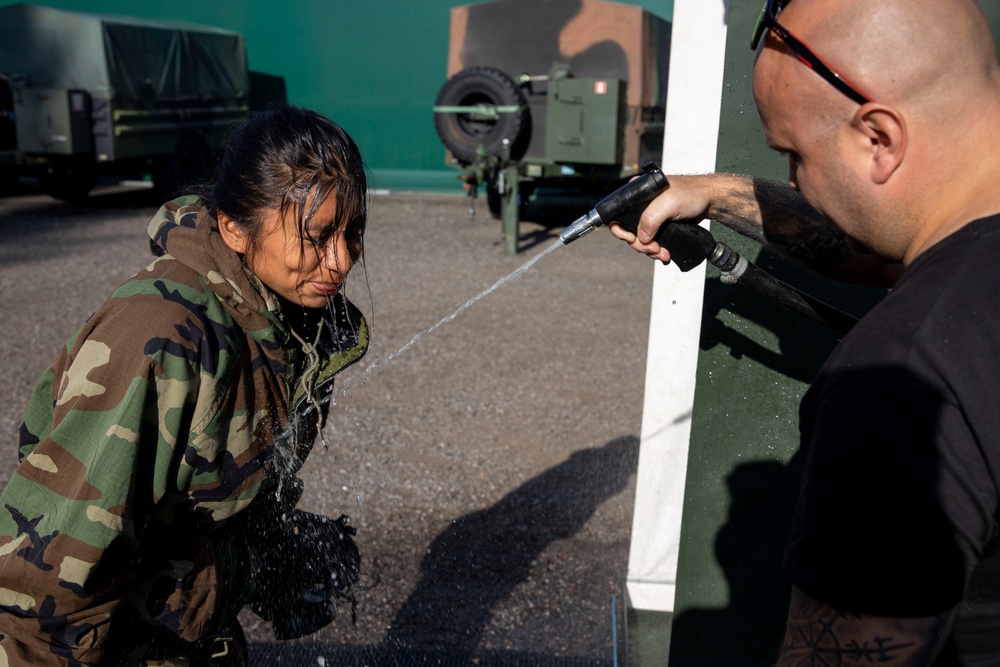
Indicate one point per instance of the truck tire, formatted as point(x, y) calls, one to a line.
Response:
point(190, 164)
point(9, 180)
point(463, 133)
point(68, 183)
point(494, 199)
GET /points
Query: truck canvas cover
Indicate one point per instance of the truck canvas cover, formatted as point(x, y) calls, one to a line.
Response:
point(131, 63)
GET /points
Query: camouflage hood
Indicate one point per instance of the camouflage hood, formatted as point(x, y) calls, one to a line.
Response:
point(183, 232)
point(194, 241)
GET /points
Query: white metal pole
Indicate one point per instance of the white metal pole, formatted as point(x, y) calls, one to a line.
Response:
point(694, 95)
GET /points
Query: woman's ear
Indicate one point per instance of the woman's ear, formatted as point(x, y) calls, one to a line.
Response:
point(232, 233)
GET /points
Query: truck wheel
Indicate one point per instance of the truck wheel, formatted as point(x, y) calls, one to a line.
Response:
point(494, 200)
point(69, 184)
point(463, 133)
point(190, 164)
point(9, 180)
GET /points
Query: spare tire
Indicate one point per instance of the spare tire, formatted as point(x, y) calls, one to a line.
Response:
point(463, 132)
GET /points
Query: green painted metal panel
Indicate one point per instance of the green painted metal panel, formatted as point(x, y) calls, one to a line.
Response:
point(583, 121)
point(755, 363)
point(374, 67)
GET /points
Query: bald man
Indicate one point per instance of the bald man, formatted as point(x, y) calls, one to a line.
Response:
point(889, 113)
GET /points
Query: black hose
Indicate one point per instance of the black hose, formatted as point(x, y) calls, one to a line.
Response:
point(735, 269)
point(691, 244)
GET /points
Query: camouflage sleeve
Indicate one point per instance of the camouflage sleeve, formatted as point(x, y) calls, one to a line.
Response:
point(97, 455)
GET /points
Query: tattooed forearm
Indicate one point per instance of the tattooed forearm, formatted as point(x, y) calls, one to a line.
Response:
point(819, 634)
point(779, 217)
point(739, 209)
point(793, 227)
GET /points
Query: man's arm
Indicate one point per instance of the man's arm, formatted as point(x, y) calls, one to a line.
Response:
point(819, 634)
point(770, 213)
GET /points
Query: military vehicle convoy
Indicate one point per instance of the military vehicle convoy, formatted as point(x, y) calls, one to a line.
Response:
point(86, 94)
point(551, 103)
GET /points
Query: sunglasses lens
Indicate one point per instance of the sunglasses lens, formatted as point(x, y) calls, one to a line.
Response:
point(771, 9)
point(758, 30)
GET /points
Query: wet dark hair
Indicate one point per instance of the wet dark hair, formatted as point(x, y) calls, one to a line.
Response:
point(276, 160)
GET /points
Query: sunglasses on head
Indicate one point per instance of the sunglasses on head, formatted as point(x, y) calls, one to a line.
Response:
point(768, 20)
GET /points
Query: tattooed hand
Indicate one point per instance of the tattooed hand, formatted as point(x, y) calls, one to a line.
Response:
point(819, 634)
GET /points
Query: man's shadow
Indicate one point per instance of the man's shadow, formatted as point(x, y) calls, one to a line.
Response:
point(802, 345)
point(886, 491)
point(748, 549)
point(478, 561)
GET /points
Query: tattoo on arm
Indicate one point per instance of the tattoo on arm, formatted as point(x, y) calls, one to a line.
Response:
point(819, 634)
point(740, 211)
point(778, 217)
point(795, 228)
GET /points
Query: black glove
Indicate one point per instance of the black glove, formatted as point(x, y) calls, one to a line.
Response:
point(302, 571)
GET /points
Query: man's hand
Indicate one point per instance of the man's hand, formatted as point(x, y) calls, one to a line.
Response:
point(770, 213)
point(686, 200)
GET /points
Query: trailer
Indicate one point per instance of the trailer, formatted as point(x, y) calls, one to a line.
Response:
point(551, 104)
point(84, 94)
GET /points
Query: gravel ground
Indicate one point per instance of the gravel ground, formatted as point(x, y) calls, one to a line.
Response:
point(489, 469)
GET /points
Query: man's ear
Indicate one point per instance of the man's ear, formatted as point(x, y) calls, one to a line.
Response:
point(232, 233)
point(885, 129)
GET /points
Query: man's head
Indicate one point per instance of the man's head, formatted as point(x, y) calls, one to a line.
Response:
point(893, 172)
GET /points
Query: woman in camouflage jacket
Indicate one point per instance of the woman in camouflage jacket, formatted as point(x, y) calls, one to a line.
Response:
point(180, 412)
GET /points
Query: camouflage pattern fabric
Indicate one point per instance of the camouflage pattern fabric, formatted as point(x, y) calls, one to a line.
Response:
point(183, 399)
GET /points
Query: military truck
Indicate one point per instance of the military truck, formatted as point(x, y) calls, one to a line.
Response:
point(85, 94)
point(551, 104)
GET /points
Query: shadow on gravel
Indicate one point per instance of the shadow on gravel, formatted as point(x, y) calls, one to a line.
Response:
point(537, 237)
point(319, 654)
point(475, 564)
point(483, 556)
point(34, 206)
point(28, 222)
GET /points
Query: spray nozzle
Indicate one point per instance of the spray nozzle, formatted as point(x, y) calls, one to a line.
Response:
point(583, 226)
point(689, 244)
point(624, 205)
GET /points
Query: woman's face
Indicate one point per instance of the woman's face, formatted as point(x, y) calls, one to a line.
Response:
point(305, 268)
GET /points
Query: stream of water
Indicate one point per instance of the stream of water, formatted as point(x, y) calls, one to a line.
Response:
point(510, 277)
point(286, 451)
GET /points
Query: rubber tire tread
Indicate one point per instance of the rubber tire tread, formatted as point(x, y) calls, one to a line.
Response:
point(486, 85)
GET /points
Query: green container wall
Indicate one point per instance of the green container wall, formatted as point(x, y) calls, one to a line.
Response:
point(755, 363)
point(374, 67)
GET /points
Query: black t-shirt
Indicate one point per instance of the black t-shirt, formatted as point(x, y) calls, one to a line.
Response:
point(897, 514)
